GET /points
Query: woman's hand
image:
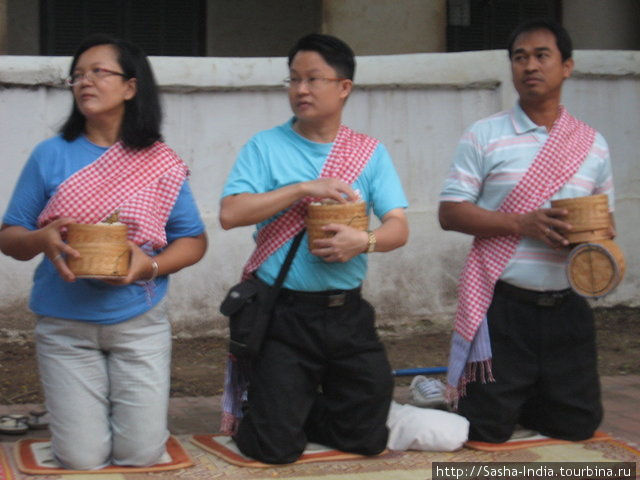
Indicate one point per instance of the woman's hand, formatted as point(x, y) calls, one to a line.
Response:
point(23, 244)
point(179, 254)
point(140, 267)
point(55, 249)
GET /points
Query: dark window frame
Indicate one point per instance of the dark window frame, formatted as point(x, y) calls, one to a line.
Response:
point(123, 19)
point(489, 25)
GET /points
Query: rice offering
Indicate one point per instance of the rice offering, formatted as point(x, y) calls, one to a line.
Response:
point(104, 251)
point(319, 214)
point(589, 217)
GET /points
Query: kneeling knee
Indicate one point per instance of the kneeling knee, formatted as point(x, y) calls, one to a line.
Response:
point(267, 451)
point(371, 449)
point(138, 450)
point(490, 433)
point(82, 458)
point(373, 443)
point(138, 456)
point(572, 434)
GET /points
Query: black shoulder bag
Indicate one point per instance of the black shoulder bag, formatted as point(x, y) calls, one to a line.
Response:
point(249, 306)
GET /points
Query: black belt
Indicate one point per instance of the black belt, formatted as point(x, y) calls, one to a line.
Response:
point(549, 298)
point(327, 299)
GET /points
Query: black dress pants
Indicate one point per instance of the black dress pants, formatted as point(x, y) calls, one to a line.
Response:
point(322, 376)
point(545, 370)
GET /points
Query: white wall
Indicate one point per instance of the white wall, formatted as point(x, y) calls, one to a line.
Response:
point(418, 105)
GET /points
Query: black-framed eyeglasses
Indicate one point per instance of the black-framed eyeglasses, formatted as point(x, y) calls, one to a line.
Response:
point(312, 82)
point(93, 74)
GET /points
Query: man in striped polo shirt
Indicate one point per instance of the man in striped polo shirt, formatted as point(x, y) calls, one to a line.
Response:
point(523, 348)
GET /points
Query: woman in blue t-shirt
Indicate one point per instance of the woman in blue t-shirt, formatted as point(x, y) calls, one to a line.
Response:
point(104, 346)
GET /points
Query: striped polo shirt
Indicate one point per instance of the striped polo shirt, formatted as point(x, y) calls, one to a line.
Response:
point(491, 158)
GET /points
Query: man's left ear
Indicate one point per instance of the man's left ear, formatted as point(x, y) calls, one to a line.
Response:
point(346, 86)
point(132, 88)
point(568, 67)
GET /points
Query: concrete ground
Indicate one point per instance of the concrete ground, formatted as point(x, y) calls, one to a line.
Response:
point(192, 415)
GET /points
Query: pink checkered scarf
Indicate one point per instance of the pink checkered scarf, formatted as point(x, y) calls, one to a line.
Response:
point(569, 142)
point(142, 185)
point(349, 155)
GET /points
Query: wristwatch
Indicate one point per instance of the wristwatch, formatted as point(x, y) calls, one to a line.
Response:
point(371, 242)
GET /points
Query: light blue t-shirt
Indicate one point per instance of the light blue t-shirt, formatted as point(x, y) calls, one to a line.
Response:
point(491, 158)
point(278, 157)
point(51, 162)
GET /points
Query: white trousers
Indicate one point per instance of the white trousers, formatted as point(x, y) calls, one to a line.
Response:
point(106, 389)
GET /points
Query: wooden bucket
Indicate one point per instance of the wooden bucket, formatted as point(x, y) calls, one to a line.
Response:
point(103, 248)
point(320, 214)
point(589, 217)
point(595, 268)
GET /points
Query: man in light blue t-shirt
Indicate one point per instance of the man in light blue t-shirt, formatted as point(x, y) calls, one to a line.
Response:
point(322, 374)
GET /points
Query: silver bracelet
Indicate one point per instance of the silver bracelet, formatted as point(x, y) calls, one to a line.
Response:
point(154, 266)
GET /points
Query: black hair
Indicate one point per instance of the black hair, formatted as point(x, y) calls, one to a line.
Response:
point(563, 40)
point(333, 50)
point(142, 113)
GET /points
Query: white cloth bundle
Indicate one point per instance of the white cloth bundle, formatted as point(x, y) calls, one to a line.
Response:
point(415, 428)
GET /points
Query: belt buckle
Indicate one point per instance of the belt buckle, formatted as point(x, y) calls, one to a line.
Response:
point(336, 300)
point(549, 300)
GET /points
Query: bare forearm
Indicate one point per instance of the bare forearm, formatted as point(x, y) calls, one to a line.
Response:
point(180, 253)
point(19, 242)
point(251, 208)
point(471, 219)
point(544, 224)
point(393, 232)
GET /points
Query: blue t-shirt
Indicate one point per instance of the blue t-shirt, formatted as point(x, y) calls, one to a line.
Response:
point(53, 161)
point(278, 157)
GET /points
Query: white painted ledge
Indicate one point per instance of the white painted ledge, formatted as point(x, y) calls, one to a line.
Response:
point(485, 69)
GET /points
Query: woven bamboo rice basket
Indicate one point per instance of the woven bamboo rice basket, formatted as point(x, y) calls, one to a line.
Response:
point(103, 248)
point(595, 268)
point(589, 217)
point(353, 214)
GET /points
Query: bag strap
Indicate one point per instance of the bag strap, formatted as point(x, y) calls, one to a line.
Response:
point(284, 269)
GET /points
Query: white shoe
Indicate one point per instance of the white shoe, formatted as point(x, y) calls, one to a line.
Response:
point(521, 433)
point(427, 392)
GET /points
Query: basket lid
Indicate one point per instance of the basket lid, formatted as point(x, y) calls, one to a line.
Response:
point(593, 270)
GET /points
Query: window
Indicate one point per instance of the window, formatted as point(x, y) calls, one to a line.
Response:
point(159, 27)
point(487, 24)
